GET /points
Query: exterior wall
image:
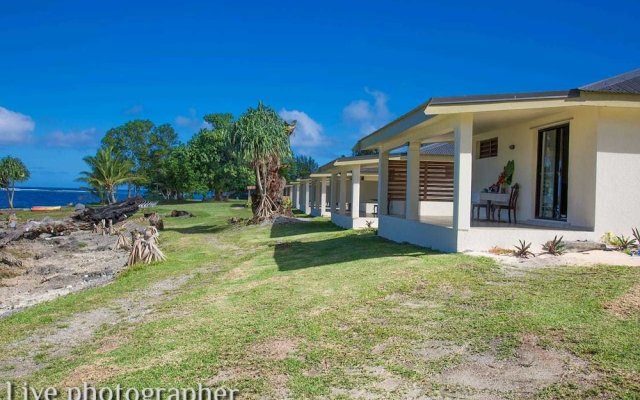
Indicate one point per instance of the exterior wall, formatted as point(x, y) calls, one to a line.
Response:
point(369, 191)
point(434, 208)
point(346, 222)
point(582, 163)
point(618, 160)
point(414, 232)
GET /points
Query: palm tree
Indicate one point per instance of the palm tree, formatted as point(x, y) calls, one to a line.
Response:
point(12, 170)
point(261, 137)
point(108, 170)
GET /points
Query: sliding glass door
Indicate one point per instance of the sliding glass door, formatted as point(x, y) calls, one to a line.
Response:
point(553, 157)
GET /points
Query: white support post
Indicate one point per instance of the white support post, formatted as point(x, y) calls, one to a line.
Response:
point(323, 196)
point(412, 201)
point(334, 192)
point(298, 196)
point(307, 198)
point(355, 192)
point(343, 192)
point(316, 198)
point(383, 181)
point(462, 172)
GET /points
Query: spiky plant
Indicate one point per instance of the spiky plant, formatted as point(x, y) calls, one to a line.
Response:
point(624, 243)
point(523, 250)
point(636, 235)
point(555, 247)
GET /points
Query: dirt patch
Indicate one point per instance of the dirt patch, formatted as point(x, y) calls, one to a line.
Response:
point(36, 351)
point(55, 266)
point(33, 352)
point(531, 369)
point(517, 266)
point(626, 305)
point(276, 349)
point(436, 349)
point(91, 374)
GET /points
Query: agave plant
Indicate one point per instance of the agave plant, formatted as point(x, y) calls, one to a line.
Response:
point(636, 235)
point(523, 250)
point(555, 247)
point(624, 243)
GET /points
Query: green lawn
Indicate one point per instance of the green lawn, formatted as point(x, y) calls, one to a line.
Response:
point(310, 310)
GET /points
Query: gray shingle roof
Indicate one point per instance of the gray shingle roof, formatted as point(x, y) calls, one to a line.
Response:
point(438, 149)
point(627, 83)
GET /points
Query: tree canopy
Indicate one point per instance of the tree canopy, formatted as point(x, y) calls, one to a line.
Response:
point(12, 170)
point(107, 170)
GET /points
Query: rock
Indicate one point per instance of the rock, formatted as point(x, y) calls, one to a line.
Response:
point(80, 207)
point(180, 213)
point(580, 246)
point(44, 236)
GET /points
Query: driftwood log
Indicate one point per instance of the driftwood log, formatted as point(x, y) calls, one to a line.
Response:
point(115, 212)
point(85, 219)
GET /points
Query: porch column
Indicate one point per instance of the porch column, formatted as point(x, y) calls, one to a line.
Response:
point(297, 196)
point(355, 192)
point(323, 196)
point(383, 181)
point(334, 192)
point(462, 172)
point(316, 198)
point(343, 192)
point(307, 198)
point(412, 201)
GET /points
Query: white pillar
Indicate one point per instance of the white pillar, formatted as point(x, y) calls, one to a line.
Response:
point(323, 196)
point(343, 192)
point(316, 198)
point(355, 192)
point(298, 196)
point(307, 198)
point(383, 181)
point(412, 201)
point(334, 192)
point(462, 172)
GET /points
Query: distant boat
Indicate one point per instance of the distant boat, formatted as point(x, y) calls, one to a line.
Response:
point(45, 208)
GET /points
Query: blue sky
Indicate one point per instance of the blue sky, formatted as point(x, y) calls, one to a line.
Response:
point(70, 70)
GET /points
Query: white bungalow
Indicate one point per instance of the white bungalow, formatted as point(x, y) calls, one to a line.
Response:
point(577, 162)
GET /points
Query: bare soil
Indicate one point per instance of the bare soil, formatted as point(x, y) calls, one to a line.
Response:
point(43, 347)
point(55, 266)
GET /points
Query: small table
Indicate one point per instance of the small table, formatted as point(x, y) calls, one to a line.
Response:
point(491, 197)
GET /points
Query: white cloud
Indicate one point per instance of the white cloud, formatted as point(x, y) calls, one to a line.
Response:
point(134, 109)
point(192, 120)
point(15, 128)
point(73, 139)
point(308, 133)
point(368, 115)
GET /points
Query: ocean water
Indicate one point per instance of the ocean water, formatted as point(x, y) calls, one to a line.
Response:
point(43, 196)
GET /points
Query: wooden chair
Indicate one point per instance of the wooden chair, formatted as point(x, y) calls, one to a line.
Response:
point(476, 204)
point(511, 206)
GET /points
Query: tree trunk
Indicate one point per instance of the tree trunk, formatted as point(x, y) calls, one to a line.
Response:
point(9, 197)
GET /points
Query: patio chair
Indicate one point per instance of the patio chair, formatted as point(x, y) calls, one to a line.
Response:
point(511, 206)
point(477, 204)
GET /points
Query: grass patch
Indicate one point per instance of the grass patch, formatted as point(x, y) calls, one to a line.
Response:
point(306, 310)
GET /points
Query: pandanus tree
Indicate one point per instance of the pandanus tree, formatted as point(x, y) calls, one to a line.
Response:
point(261, 138)
point(107, 171)
point(12, 170)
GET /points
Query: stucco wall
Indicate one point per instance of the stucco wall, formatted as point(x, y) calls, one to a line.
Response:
point(433, 236)
point(524, 136)
point(433, 208)
point(618, 174)
point(368, 191)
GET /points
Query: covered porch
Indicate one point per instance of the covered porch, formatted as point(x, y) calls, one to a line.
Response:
point(431, 205)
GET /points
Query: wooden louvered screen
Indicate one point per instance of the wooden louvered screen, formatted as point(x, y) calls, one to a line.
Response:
point(439, 182)
point(436, 180)
point(397, 180)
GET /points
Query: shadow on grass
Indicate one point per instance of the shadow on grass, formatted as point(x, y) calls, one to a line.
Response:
point(300, 214)
point(282, 230)
point(295, 255)
point(199, 229)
